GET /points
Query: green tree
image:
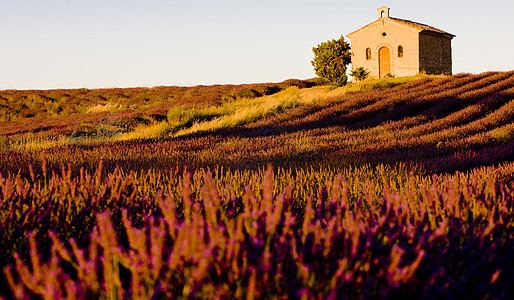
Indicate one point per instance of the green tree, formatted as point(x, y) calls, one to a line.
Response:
point(331, 59)
point(360, 73)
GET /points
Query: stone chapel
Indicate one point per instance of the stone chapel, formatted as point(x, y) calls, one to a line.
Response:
point(397, 47)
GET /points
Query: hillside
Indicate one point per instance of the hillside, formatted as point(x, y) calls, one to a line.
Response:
point(47, 114)
point(389, 188)
point(435, 123)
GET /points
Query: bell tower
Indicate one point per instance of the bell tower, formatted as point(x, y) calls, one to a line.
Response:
point(383, 12)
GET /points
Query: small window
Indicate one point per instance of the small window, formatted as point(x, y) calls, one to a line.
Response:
point(368, 53)
point(400, 51)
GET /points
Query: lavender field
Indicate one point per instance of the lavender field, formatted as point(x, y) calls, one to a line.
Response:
point(396, 189)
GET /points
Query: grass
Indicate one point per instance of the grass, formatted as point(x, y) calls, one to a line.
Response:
point(246, 111)
point(176, 114)
point(40, 118)
point(108, 107)
point(31, 143)
point(183, 121)
point(143, 132)
point(381, 83)
point(237, 108)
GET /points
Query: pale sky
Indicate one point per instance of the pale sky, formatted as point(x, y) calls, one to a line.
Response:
point(48, 44)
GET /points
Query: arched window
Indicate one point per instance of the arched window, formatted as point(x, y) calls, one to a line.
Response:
point(368, 53)
point(400, 51)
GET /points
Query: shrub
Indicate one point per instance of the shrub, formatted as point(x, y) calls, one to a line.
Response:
point(360, 73)
point(331, 59)
point(268, 89)
point(248, 93)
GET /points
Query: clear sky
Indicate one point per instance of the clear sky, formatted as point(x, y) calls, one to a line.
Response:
point(46, 44)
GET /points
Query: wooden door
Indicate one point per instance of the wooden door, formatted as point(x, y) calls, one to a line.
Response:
point(384, 61)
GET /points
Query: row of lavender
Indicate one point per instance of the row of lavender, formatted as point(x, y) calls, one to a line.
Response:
point(430, 96)
point(66, 203)
point(367, 233)
point(426, 123)
point(381, 229)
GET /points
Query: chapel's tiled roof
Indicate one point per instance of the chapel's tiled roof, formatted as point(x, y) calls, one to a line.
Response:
point(421, 26)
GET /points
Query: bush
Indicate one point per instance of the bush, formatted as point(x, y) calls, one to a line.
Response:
point(297, 83)
point(360, 73)
point(316, 82)
point(248, 93)
point(331, 59)
point(269, 90)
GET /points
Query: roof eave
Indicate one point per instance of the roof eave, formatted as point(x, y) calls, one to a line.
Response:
point(446, 34)
point(355, 31)
point(408, 24)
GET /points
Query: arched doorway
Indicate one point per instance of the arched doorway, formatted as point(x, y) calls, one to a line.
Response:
point(384, 61)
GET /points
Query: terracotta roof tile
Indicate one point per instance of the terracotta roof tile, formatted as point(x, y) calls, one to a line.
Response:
point(421, 26)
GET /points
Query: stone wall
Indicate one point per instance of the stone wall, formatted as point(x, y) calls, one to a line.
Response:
point(435, 53)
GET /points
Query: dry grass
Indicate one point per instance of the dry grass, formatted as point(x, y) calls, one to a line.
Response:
point(249, 110)
point(153, 131)
point(108, 107)
point(184, 115)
